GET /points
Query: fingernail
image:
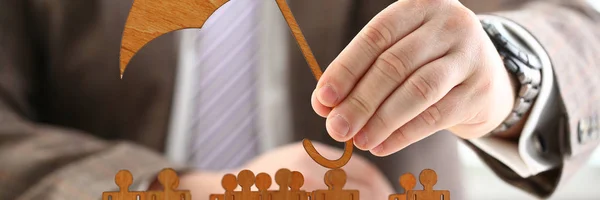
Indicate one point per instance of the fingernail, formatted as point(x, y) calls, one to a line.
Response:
point(378, 149)
point(328, 96)
point(339, 125)
point(361, 139)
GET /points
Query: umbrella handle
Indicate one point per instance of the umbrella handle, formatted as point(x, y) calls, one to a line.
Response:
point(331, 164)
point(316, 70)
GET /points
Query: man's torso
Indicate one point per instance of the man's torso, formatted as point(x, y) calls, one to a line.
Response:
point(78, 85)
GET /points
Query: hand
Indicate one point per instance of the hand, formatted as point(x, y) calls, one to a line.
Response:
point(362, 175)
point(418, 67)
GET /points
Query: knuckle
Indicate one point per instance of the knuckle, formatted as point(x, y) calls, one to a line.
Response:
point(391, 68)
point(401, 135)
point(377, 35)
point(431, 116)
point(422, 87)
point(360, 103)
point(462, 17)
point(399, 58)
point(452, 23)
point(348, 70)
point(380, 120)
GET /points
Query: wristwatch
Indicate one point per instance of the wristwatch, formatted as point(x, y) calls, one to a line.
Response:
point(522, 64)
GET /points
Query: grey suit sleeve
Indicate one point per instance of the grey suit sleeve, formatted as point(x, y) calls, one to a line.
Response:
point(525, 155)
point(40, 161)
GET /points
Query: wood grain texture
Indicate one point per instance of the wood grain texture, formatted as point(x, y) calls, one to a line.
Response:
point(289, 187)
point(229, 183)
point(335, 180)
point(149, 19)
point(428, 179)
point(331, 164)
point(408, 182)
point(123, 179)
point(168, 179)
point(302, 43)
point(263, 183)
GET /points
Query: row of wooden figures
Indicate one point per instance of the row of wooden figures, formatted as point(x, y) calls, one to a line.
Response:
point(289, 182)
point(167, 178)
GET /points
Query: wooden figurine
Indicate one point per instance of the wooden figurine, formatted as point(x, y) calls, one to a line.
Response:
point(246, 180)
point(289, 186)
point(297, 181)
point(263, 183)
point(123, 179)
point(335, 180)
point(229, 183)
point(283, 179)
point(170, 181)
point(428, 179)
point(408, 182)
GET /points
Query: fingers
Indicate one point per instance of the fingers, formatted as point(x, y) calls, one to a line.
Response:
point(389, 71)
point(356, 163)
point(319, 108)
point(378, 35)
point(439, 116)
point(421, 90)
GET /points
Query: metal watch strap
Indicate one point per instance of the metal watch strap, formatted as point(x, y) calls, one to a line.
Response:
point(525, 66)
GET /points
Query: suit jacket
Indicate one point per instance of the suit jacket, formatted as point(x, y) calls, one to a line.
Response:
point(68, 123)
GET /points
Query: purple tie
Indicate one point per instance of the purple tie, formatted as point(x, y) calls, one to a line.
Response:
point(224, 116)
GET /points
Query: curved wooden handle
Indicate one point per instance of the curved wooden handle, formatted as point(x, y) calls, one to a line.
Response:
point(331, 164)
point(316, 70)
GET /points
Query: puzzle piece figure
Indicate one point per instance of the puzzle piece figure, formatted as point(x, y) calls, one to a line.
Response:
point(170, 181)
point(408, 182)
point(297, 181)
point(283, 179)
point(428, 179)
point(335, 180)
point(263, 183)
point(229, 183)
point(289, 186)
point(246, 180)
point(327, 181)
point(123, 179)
